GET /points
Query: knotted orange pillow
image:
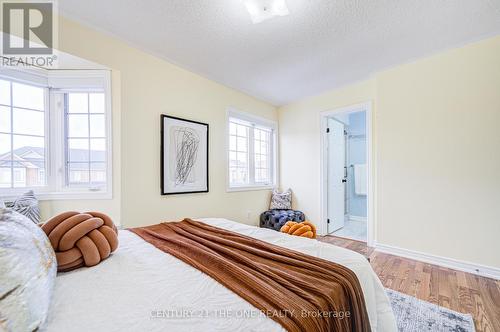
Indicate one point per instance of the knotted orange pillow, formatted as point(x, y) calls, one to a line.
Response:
point(304, 229)
point(81, 238)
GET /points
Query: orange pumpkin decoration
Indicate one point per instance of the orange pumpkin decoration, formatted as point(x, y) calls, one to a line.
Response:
point(304, 229)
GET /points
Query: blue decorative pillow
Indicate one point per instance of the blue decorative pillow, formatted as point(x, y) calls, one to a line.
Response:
point(27, 273)
point(27, 205)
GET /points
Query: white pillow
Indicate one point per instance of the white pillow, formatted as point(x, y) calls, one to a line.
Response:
point(27, 273)
point(281, 200)
point(2, 204)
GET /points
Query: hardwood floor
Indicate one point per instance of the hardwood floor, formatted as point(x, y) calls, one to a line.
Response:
point(456, 290)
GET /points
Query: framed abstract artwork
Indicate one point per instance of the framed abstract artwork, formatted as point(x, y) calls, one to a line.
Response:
point(184, 156)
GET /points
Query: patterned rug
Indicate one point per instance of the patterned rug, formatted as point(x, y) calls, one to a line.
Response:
point(414, 315)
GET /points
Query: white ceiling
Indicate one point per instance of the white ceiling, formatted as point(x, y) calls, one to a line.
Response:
point(321, 45)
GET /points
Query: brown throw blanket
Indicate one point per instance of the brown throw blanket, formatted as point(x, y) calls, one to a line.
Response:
point(300, 292)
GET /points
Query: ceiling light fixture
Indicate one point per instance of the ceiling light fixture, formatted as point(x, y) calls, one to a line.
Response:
point(261, 10)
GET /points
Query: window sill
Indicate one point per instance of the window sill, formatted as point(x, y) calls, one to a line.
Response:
point(63, 195)
point(249, 188)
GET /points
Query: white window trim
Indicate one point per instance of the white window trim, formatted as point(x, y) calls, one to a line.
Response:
point(64, 81)
point(232, 112)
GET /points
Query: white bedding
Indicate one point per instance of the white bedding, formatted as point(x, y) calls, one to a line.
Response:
point(140, 288)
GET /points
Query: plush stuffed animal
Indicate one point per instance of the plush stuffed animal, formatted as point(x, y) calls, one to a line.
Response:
point(304, 229)
point(81, 239)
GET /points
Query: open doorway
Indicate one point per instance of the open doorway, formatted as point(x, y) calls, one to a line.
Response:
point(346, 173)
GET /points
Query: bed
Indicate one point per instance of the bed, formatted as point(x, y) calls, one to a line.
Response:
point(141, 288)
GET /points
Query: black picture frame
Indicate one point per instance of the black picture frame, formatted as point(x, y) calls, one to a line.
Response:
point(164, 153)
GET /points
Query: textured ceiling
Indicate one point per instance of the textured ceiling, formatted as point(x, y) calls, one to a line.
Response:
point(319, 46)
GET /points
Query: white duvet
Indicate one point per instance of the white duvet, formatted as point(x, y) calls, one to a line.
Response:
point(140, 288)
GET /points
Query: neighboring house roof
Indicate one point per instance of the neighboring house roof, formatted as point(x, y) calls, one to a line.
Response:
point(25, 157)
point(5, 161)
point(33, 157)
point(31, 154)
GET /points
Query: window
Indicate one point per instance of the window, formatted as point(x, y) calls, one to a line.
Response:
point(55, 134)
point(251, 152)
point(22, 135)
point(85, 154)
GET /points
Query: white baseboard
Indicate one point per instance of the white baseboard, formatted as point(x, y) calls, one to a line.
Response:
point(485, 271)
point(357, 218)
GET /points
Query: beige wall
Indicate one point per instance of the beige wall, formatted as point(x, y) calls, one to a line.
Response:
point(436, 151)
point(145, 87)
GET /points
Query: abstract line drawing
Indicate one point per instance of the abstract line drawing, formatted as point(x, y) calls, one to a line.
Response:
point(184, 156)
point(186, 142)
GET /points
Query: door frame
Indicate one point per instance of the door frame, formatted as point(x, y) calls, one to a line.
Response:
point(370, 213)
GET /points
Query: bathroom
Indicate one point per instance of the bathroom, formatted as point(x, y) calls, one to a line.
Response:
point(347, 176)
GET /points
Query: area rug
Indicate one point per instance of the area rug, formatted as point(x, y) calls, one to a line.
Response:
point(414, 315)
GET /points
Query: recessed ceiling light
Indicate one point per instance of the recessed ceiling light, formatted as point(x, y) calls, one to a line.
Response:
point(261, 10)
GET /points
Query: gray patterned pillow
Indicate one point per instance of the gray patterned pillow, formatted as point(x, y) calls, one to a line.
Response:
point(27, 205)
point(27, 273)
point(281, 200)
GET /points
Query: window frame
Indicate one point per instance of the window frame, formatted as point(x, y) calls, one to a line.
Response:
point(35, 79)
point(274, 167)
point(56, 84)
